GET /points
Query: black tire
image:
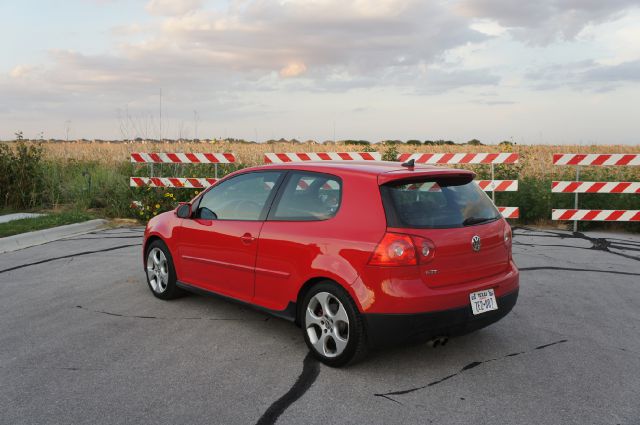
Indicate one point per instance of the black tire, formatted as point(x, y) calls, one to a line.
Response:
point(356, 346)
point(160, 289)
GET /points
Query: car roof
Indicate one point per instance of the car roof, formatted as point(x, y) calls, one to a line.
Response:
point(384, 170)
point(367, 167)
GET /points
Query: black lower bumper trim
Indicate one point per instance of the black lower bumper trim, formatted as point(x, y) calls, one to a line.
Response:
point(390, 329)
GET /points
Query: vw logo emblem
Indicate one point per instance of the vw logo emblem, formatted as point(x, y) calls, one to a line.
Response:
point(475, 243)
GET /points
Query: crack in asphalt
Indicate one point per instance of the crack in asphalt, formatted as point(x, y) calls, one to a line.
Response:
point(113, 248)
point(469, 366)
point(598, 244)
point(310, 371)
point(525, 269)
point(134, 316)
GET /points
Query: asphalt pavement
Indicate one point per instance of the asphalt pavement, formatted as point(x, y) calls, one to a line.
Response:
point(83, 341)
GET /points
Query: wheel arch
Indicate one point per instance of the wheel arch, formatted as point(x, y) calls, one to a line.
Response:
point(310, 283)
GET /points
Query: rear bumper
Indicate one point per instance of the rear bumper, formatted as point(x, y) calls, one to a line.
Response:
point(389, 329)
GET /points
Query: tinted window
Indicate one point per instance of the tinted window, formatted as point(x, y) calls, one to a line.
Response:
point(309, 196)
point(437, 203)
point(240, 198)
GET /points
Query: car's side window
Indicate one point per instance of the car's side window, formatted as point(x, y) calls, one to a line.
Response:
point(240, 198)
point(309, 196)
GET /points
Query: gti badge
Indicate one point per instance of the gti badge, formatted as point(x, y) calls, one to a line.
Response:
point(475, 243)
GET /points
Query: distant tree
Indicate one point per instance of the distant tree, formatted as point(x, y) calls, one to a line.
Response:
point(506, 143)
point(356, 142)
point(474, 142)
point(444, 142)
point(429, 142)
point(414, 142)
point(392, 142)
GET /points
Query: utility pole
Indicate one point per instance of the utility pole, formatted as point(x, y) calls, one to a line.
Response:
point(67, 128)
point(196, 117)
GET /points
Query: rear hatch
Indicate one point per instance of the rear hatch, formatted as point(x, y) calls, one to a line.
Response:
point(457, 217)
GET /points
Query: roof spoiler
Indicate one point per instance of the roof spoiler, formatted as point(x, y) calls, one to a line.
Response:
point(412, 174)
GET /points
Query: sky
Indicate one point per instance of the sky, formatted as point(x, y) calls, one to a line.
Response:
point(535, 72)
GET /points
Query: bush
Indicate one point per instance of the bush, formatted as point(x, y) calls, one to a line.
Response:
point(21, 175)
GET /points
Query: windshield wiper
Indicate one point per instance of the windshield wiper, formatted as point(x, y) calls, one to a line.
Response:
point(476, 220)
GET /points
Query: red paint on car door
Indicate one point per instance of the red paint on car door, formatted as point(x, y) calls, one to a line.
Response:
point(220, 255)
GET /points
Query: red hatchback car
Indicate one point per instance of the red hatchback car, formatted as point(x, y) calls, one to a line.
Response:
point(359, 254)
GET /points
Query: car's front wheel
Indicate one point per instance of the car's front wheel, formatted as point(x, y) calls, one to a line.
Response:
point(161, 275)
point(332, 326)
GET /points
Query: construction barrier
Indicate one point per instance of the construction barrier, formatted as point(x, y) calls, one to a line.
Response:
point(177, 158)
point(577, 186)
point(460, 158)
point(491, 159)
point(273, 157)
point(178, 182)
point(183, 158)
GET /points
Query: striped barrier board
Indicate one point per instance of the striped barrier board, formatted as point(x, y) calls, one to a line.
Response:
point(596, 159)
point(596, 215)
point(486, 185)
point(595, 187)
point(460, 158)
point(273, 157)
point(183, 158)
point(509, 212)
point(498, 185)
point(178, 182)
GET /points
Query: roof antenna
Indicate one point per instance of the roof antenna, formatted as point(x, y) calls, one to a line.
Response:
point(410, 163)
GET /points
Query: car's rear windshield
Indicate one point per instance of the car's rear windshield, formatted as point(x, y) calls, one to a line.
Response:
point(436, 203)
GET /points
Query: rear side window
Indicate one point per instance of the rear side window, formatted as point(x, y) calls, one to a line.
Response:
point(437, 203)
point(309, 196)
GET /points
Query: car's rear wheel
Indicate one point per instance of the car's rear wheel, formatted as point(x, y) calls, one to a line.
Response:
point(161, 275)
point(332, 326)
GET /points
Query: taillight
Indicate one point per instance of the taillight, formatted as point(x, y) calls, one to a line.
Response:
point(396, 249)
point(426, 249)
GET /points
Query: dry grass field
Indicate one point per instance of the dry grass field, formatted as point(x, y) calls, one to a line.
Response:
point(94, 176)
point(535, 160)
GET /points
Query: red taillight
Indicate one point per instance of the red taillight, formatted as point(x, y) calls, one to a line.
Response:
point(426, 249)
point(396, 249)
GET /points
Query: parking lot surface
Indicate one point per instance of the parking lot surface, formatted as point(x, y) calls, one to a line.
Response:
point(83, 341)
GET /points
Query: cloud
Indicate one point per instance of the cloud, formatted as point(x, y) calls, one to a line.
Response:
point(334, 45)
point(545, 21)
point(172, 7)
point(586, 75)
point(293, 69)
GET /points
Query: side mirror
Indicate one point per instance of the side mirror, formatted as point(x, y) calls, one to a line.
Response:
point(184, 210)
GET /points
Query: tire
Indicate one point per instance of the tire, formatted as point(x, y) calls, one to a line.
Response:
point(161, 274)
point(332, 325)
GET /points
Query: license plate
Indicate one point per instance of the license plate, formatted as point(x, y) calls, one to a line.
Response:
point(483, 301)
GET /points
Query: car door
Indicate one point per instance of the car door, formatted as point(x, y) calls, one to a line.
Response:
point(218, 244)
point(296, 236)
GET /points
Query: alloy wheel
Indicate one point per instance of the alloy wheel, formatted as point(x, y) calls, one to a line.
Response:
point(327, 324)
point(157, 270)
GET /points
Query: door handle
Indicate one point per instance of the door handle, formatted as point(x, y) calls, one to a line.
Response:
point(247, 238)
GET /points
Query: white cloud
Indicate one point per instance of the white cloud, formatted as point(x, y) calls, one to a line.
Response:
point(172, 7)
point(20, 71)
point(293, 69)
